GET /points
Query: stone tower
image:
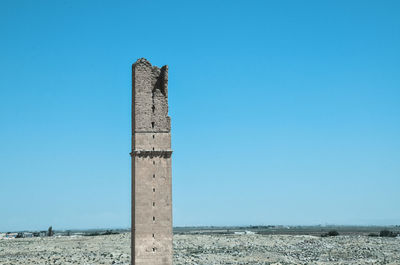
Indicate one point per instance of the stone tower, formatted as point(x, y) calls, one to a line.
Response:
point(151, 166)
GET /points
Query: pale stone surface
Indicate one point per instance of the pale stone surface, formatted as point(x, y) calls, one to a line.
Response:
point(207, 250)
point(151, 166)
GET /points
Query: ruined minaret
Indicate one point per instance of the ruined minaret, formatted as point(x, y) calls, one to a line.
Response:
point(151, 166)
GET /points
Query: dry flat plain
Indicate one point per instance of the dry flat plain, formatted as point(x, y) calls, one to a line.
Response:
point(207, 249)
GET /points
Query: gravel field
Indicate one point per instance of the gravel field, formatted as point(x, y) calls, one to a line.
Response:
point(207, 249)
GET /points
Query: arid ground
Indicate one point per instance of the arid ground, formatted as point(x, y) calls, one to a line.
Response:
point(207, 249)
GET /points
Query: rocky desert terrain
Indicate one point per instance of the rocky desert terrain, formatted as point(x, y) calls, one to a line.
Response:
point(206, 250)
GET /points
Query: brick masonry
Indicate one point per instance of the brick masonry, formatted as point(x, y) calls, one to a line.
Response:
point(151, 166)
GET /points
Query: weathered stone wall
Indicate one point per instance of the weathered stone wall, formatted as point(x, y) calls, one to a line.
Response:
point(150, 97)
point(151, 166)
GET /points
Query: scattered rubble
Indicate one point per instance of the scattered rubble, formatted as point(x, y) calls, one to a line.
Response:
point(207, 249)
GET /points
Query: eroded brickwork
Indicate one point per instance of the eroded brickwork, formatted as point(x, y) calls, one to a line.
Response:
point(151, 166)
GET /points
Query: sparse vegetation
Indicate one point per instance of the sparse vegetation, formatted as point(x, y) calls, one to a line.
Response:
point(50, 231)
point(99, 233)
point(387, 233)
point(330, 233)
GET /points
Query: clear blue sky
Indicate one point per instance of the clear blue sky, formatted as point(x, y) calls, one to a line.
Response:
point(283, 112)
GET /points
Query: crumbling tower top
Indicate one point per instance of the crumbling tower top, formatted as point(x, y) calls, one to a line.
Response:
point(150, 97)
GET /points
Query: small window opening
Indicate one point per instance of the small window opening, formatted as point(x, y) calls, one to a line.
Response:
point(153, 108)
point(153, 136)
point(153, 236)
point(154, 176)
point(154, 204)
point(154, 162)
point(154, 190)
point(154, 249)
point(154, 218)
point(153, 148)
point(152, 124)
